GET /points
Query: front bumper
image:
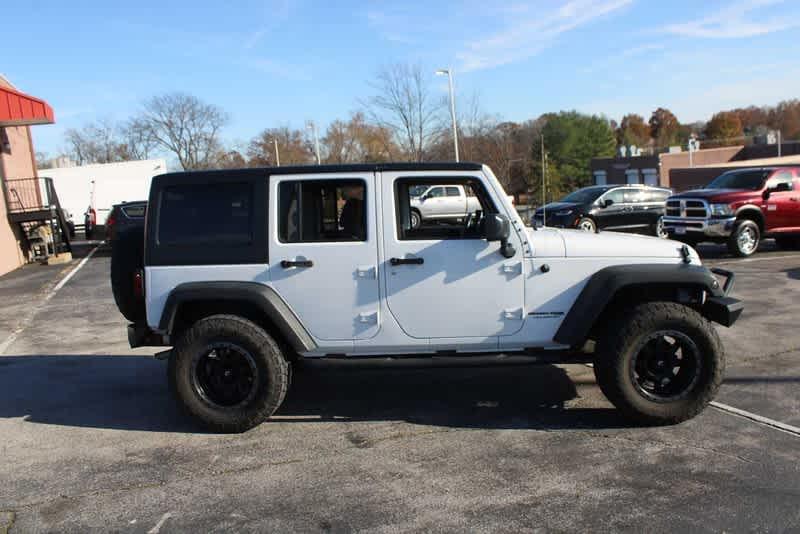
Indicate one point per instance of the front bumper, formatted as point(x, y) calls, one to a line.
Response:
point(722, 308)
point(140, 335)
point(713, 228)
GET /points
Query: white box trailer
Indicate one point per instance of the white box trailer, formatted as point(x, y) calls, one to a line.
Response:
point(102, 185)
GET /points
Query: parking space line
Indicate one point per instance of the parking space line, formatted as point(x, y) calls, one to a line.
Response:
point(783, 427)
point(28, 319)
point(750, 260)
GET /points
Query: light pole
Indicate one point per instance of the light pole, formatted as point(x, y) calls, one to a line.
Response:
point(277, 155)
point(449, 73)
point(313, 127)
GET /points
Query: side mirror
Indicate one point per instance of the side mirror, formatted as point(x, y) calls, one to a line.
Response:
point(781, 187)
point(607, 202)
point(498, 228)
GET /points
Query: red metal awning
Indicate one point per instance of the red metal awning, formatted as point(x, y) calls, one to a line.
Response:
point(18, 109)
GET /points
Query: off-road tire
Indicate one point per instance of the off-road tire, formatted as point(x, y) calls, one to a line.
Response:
point(127, 257)
point(734, 243)
point(615, 353)
point(271, 382)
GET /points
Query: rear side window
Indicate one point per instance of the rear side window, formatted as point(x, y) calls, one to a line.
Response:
point(134, 212)
point(322, 211)
point(214, 214)
point(452, 192)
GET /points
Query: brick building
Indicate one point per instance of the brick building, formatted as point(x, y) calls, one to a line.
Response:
point(18, 112)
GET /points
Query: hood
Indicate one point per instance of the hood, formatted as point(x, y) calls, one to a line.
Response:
point(579, 244)
point(727, 195)
point(555, 206)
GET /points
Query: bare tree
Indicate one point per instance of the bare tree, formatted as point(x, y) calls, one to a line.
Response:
point(95, 142)
point(294, 148)
point(404, 104)
point(137, 139)
point(357, 141)
point(185, 126)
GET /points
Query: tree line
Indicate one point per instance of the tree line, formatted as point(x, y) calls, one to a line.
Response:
point(406, 119)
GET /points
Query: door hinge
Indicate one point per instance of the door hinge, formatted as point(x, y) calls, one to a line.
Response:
point(368, 318)
point(513, 314)
point(367, 271)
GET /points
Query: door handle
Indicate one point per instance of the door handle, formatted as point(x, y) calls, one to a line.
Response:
point(406, 261)
point(286, 264)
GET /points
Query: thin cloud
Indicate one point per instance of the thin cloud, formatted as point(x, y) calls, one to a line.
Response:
point(736, 21)
point(528, 35)
point(278, 69)
point(277, 12)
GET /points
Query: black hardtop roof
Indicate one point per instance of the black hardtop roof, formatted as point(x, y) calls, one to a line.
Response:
point(324, 169)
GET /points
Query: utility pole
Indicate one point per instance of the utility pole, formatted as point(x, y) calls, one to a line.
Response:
point(277, 155)
point(449, 73)
point(544, 185)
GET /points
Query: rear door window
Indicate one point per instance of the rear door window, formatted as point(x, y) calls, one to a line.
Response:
point(213, 214)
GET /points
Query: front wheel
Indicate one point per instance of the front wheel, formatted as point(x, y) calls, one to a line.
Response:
point(744, 240)
point(587, 225)
point(658, 229)
point(416, 219)
point(660, 363)
point(228, 372)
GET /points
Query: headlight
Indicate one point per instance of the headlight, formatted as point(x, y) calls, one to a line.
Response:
point(721, 209)
point(563, 213)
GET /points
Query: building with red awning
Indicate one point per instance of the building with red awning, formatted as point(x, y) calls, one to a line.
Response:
point(18, 111)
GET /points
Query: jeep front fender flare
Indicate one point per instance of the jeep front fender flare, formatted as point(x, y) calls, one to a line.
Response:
point(606, 283)
point(263, 297)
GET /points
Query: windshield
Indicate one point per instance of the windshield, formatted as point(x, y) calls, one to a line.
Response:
point(583, 196)
point(752, 180)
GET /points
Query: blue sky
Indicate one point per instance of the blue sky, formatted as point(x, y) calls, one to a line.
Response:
point(281, 62)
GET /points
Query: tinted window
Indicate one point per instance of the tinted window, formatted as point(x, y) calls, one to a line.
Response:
point(781, 177)
point(417, 220)
point(753, 180)
point(322, 210)
point(452, 192)
point(634, 196)
point(615, 195)
point(217, 214)
point(134, 211)
point(584, 196)
point(435, 192)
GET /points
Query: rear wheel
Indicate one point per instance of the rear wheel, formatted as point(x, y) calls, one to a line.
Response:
point(745, 238)
point(660, 363)
point(229, 373)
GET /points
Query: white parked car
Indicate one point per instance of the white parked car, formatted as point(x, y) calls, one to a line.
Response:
point(244, 272)
point(442, 203)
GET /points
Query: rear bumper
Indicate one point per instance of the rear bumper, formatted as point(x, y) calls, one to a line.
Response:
point(712, 228)
point(140, 335)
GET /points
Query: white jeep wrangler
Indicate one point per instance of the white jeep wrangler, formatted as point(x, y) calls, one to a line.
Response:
point(243, 272)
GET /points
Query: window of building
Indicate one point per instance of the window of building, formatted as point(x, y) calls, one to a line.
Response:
point(322, 211)
point(450, 215)
point(218, 214)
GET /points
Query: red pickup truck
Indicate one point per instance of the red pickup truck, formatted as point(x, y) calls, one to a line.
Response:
point(739, 208)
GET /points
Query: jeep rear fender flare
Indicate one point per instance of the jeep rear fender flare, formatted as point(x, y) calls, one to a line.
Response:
point(263, 297)
point(603, 285)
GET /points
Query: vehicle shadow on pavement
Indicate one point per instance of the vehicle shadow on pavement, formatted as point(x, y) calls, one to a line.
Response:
point(518, 396)
point(130, 393)
point(794, 274)
point(112, 392)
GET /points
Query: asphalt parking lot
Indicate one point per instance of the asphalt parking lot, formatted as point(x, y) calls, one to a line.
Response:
point(91, 440)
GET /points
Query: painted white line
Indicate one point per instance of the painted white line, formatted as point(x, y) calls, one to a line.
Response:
point(72, 272)
point(28, 319)
point(783, 427)
point(160, 523)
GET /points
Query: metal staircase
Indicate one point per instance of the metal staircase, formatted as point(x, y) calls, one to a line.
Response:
point(32, 203)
